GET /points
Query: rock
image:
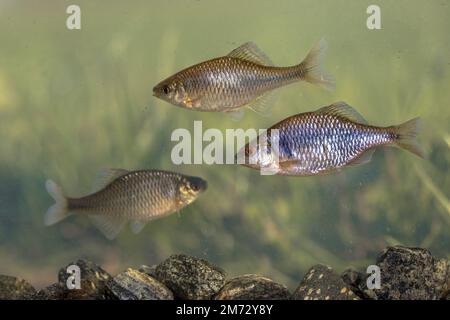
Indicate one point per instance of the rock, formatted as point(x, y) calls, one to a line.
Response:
point(136, 285)
point(53, 292)
point(357, 283)
point(353, 278)
point(412, 273)
point(252, 287)
point(190, 278)
point(149, 270)
point(93, 281)
point(12, 288)
point(322, 283)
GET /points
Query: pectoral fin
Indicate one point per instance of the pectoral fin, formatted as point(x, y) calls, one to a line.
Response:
point(289, 166)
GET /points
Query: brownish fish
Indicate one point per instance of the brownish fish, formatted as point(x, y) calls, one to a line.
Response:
point(122, 195)
point(324, 141)
point(244, 77)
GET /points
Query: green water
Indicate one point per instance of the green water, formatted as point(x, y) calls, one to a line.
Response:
point(73, 102)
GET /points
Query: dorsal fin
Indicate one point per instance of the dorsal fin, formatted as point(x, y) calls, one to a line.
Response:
point(250, 52)
point(106, 176)
point(344, 110)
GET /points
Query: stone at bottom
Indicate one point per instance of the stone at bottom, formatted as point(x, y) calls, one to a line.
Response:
point(412, 274)
point(12, 288)
point(190, 278)
point(135, 285)
point(252, 287)
point(322, 283)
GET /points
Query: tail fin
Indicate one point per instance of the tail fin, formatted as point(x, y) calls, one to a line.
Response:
point(407, 133)
point(312, 66)
point(59, 210)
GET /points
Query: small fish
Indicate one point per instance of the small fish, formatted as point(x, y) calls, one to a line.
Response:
point(324, 141)
point(244, 77)
point(120, 195)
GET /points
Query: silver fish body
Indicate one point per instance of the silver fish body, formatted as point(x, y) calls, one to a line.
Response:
point(324, 141)
point(227, 83)
point(242, 77)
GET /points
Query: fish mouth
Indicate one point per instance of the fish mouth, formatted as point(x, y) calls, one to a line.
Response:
point(198, 184)
point(155, 90)
point(204, 185)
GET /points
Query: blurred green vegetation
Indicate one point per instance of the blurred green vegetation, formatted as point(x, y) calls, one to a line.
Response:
point(73, 102)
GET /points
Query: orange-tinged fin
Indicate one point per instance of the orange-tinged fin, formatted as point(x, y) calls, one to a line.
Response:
point(342, 109)
point(288, 165)
point(250, 52)
point(312, 67)
point(59, 210)
point(291, 167)
point(407, 134)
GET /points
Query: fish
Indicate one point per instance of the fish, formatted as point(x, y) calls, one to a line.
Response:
point(120, 196)
point(244, 77)
point(324, 141)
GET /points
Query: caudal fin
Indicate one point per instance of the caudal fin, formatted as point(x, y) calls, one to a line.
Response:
point(407, 133)
point(59, 210)
point(312, 67)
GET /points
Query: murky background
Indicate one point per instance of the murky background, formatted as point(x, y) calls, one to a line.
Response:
point(73, 102)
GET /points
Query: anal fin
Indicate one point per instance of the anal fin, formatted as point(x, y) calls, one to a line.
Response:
point(110, 226)
point(236, 115)
point(136, 226)
point(263, 104)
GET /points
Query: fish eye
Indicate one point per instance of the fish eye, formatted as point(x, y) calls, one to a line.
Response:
point(195, 187)
point(166, 89)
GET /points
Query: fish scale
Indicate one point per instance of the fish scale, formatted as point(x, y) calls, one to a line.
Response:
point(137, 195)
point(343, 141)
point(229, 81)
point(307, 137)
